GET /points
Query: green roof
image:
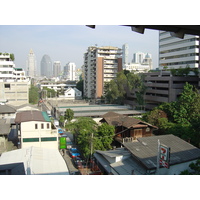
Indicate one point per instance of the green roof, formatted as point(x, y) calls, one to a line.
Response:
point(46, 117)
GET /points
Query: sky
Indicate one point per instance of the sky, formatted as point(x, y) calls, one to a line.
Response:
point(68, 43)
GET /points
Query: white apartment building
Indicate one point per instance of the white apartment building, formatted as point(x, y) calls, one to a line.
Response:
point(125, 54)
point(31, 64)
point(14, 85)
point(70, 71)
point(56, 68)
point(175, 52)
point(35, 129)
point(101, 64)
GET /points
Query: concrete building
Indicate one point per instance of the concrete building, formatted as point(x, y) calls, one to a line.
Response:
point(31, 64)
point(101, 64)
point(176, 52)
point(35, 129)
point(163, 87)
point(125, 54)
point(46, 66)
point(14, 85)
point(56, 68)
point(70, 71)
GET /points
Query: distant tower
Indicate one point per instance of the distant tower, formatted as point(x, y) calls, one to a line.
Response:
point(56, 68)
point(70, 70)
point(31, 64)
point(46, 66)
point(124, 55)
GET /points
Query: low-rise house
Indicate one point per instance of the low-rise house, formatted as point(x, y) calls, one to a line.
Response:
point(33, 161)
point(141, 157)
point(35, 129)
point(72, 93)
point(127, 129)
point(7, 111)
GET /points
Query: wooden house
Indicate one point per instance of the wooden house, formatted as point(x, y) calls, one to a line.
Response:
point(127, 129)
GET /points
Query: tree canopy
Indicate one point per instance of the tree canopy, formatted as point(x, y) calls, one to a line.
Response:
point(182, 116)
point(33, 94)
point(89, 136)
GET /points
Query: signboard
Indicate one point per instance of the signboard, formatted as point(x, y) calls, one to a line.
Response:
point(164, 155)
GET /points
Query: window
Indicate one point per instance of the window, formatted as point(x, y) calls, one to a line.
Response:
point(36, 126)
point(7, 86)
point(42, 126)
point(30, 139)
point(48, 126)
point(47, 139)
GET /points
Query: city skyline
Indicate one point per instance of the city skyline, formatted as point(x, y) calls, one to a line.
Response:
point(68, 43)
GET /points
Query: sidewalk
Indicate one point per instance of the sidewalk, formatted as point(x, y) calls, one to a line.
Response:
point(68, 160)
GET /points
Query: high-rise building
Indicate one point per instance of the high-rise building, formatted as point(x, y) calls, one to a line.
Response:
point(56, 68)
point(101, 64)
point(69, 71)
point(139, 57)
point(46, 66)
point(31, 64)
point(125, 55)
point(175, 52)
point(14, 85)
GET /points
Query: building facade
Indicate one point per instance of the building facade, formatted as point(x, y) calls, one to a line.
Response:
point(31, 64)
point(35, 129)
point(56, 68)
point(70, 71)
point(163, 87)
point(175, 52)
point(125, 54)
point(46, 66)
point(101, 64)
point(14, 85)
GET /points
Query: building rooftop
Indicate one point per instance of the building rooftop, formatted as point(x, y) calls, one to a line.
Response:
point(31, 115)
point(34, 161)
point(146, 150)
point(7, 109)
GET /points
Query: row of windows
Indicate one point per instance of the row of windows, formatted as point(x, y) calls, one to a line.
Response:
point(45, 139)
point(179, 42)
point(180, 56)
point(42, 126)
point(179, 49)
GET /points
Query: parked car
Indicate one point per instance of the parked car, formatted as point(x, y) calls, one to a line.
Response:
point(74, 152)
point(69, 143)
point(78, 162)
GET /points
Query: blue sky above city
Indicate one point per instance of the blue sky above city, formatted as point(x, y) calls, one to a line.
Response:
point(68, 43)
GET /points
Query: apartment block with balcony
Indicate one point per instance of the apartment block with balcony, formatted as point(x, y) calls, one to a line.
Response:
point(14, 84)
point(175, 52)
point(101, 64)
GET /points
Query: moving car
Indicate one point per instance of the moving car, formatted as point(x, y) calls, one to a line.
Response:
point(78, 162)
point(74, 152)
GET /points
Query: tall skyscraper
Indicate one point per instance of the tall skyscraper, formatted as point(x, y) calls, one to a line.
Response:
point(125, 55)
point(31, 64)
point(175, 52)
point(101, 64)
point(56, 68)
point(46, 66)
point(69, 71)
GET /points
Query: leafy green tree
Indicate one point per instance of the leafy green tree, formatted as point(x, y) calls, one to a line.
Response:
point(33, 94)
point(194, 169)
point(50, 92)
point(79, 86)
point(12, 56)
point(104, 138)
point(89, 136)
point(69, 114)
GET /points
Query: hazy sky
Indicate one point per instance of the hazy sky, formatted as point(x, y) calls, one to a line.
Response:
point(68, 43)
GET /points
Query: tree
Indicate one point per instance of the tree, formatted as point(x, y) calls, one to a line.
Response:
point(89, 136)
point(12, 56)
point(194, 169)
point(33, 95)
point(104, 138)
point(50, 92)
point(69, 114)
point(79, 86)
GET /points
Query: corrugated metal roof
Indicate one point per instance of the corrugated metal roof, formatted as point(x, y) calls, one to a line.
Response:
point(7, 109)
point(146, 150)
point(4, 127)
point(37, 160)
